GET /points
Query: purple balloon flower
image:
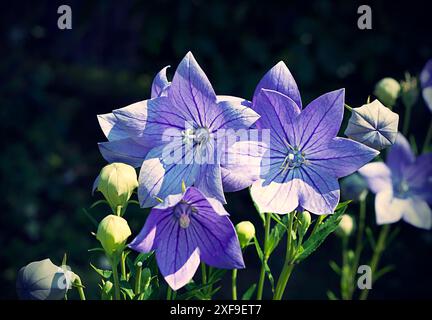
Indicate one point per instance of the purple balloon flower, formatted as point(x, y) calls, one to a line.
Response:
point(305, 158)
point(426, 83)
point(184, 115)
point(403, 186)
point(186, 229)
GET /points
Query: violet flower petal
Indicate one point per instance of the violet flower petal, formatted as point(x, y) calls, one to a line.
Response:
point(320, 120)
point(126, 150)
point(280, 79)
point(160, 83)
point(377, 175)
point(400, 156)
point(341, 157)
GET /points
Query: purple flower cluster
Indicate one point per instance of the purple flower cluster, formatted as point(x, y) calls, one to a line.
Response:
point(296, 168)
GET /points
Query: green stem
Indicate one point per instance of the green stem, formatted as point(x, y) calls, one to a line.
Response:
point(123, 266)
point(169, 293)
point(428, 138)
point(80, 289)
point(234, 284)
point(318, 222)
point(407, 120)
point(288, 265)
point(379, 248)
point(204, 273)
point(114, 264)
point(359, 244)
point(138, 273)
point(345, 289)
point(264, 257)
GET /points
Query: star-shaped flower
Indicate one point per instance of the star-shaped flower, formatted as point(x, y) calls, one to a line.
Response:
point(403, 186)
point(186, 229)
point(179, 135)
point(305, 158)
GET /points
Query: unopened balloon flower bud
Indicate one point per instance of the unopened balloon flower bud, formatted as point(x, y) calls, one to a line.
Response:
point(387, 91)
point(410, 90)
point(346, 226)
point(305, 221)
point(374, 125)
point(112, 233)
point(245, 232)
point(117, 181)
point(43, 280)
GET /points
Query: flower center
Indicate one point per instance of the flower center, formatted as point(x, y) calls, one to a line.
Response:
point(294, 159)
point(182, 212)
point(402, 189)
point(200, 135)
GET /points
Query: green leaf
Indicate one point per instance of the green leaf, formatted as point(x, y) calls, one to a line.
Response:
point(322, 232)
point(143, 257)
point(335, 267)
point(382, 272)
point(331, 295)
point(276, 234)
point(96, 249)
point(249, 292)
point(126, 288)
point(106, 274)
point(266, 266)
point(261, 214)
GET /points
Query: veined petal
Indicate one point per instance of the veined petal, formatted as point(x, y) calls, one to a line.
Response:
point(341, 157)
point(177, 255)
point(233, 99)
point(157, 221)
point(400, 156)
point(377, 175)
point(280, 79)
point(278, 114)
point(150, 122)
point(318, 191)
point(111, 128)
point(209, 181)
point(191, 91)
point(162, 175)
point(126, 150)
point(278, 195)
point(230, 114)
point(160, 83)
point(241, 164)
point(217, 239)
point(320, 120)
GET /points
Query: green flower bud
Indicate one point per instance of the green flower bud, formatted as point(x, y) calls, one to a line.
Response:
point(117, 181)
point(305, 222)
point(112, 233)
point(410, 90)
point(106, 293)
point(245, 232)
point(387, 91)
point(346, 226)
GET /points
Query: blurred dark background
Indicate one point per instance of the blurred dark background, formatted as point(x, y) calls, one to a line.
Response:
point(54, 82)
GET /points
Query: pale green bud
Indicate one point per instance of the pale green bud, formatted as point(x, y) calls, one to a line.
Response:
point(346, 226)
point(245, 232)
point(410, 90)
point(117, 181)
point(112, 233)
point(305, 222)
point(387, 91)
